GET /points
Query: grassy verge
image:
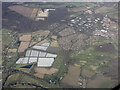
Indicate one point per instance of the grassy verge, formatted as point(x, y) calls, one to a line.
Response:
point(23, 86)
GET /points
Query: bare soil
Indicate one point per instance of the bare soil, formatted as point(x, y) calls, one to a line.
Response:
point(72, 77)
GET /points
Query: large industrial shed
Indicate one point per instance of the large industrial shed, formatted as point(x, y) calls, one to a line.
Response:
point(45, 62)
point(38, 55)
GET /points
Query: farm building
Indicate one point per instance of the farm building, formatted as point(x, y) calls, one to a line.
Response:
point(32, 60)
point(28, 53)
point(51, 55)
point(35, 55)
point(19, 60)
point(43, 14)
point(45, 44)
point(45, 62)
point(42, 54)
point(22, 60)
point(40, 48)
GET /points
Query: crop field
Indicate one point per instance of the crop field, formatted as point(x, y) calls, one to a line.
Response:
point(12, 50)
point(87, 73)
point(26, 24)
point(8, 64)
point(75, 46)
point(97, 59)
point(68, 79)
point(23, 46)
point(12, 78)
point(59, 64)
point(42, 83)
point(32, 43)
point(112, 12)
point(6, 37)
point(41, 33)
point(25, 86)
point(101, 81)
point(25, 37)
point(34, 12)
point(40, 72)
point(54, 44)
point(22, 10)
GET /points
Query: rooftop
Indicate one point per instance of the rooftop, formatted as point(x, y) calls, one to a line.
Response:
point(45, 62)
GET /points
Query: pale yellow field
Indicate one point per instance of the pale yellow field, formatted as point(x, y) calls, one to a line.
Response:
point(42, 42)
point(41, 33)
point(23, 46)
point(31, 43)
point(12, 50)
point(54, 44)
point(54, 37)
point(25, 37)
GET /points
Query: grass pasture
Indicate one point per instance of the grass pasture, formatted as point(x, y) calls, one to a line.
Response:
point(91, 59)
point(41, 83)
point(12, 78)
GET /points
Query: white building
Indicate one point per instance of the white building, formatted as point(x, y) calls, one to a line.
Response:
point(45, 62)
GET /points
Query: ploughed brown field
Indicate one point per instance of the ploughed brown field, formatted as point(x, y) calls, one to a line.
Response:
point(25, 11)
point(72, 77)
point(18, 16)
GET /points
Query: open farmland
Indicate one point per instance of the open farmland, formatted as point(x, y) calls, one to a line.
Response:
point(54, 44)
point(28, 25)
point(40, 72)
point(12, 78)
point(12, 50)
point(25, 37)
point(25, 11)
point(112, 12)
point(6, 37)
point(100, 81)
point(60, 45)
point(72, 72)
point(23, 46)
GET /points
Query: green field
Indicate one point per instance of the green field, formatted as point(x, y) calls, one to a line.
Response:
point(12, 61)
point(23, 86)
point(6, 37)
point(110, 11)
point(60, 65)
point(42, 83)
point(91, 59)
point(12, 78)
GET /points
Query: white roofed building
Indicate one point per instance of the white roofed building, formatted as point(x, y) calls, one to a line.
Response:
point(45, 62)
point(32, 59)
point(40, 48)
point(51, 55)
